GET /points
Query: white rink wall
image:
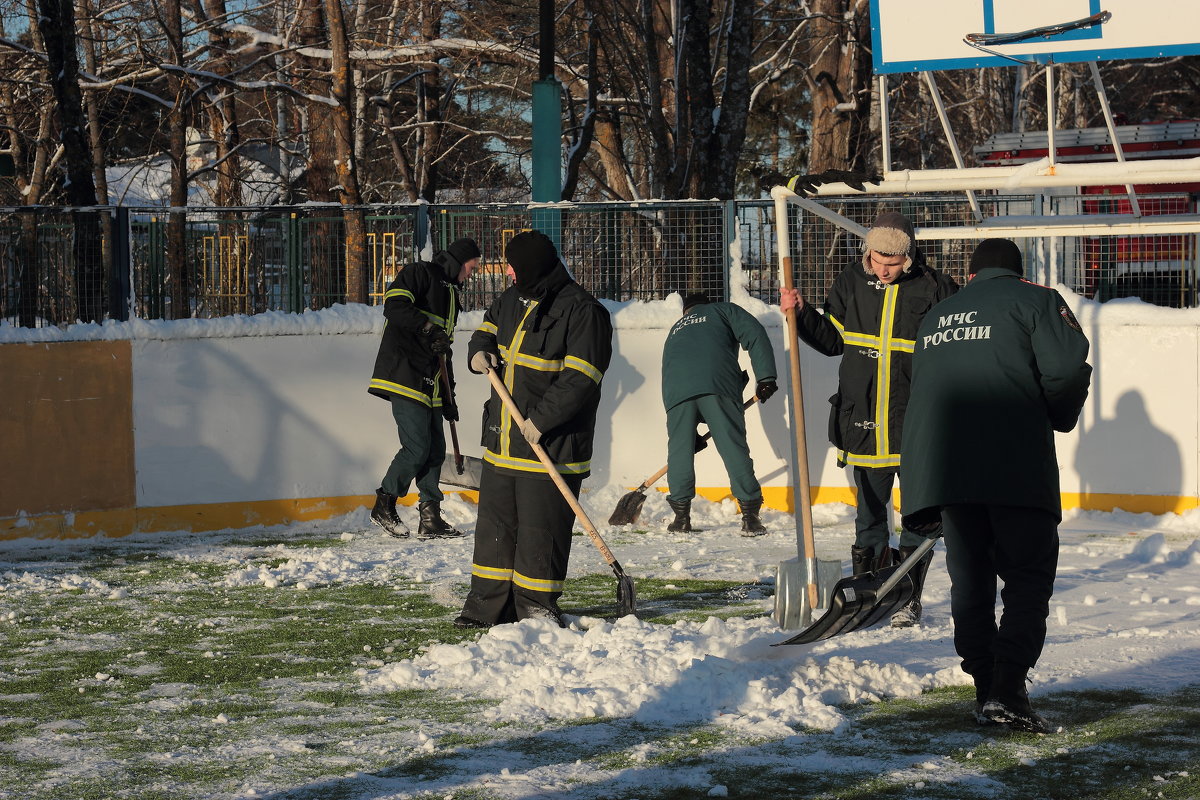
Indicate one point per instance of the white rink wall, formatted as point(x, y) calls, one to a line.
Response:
point(234, 418)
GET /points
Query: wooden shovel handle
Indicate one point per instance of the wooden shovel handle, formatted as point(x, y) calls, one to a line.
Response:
point(590, 529)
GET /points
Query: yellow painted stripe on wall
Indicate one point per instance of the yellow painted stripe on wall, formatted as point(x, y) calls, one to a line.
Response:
point(222, 516)
point(200, 518)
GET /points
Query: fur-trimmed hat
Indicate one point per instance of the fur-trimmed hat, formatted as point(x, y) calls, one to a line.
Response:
point(891, 234)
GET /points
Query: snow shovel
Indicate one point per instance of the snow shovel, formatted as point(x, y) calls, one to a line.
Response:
point(629, 507)
point(862, 600)
point(464, 471)
point(626, 592)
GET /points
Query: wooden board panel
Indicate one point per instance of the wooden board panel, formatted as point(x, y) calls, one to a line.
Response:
point(66, 427)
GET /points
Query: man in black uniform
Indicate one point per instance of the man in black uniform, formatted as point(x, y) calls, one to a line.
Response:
point(421, 307)
point(997, 369)
point(701, 382)
point(870, 319)
point(550, 342)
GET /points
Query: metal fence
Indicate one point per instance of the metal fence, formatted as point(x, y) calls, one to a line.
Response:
point(59, 266)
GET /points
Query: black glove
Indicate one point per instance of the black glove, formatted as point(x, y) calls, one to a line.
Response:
point(449, 411)
point(701, 442)
point(438, 339)
point(804, 184)
point(927, 522)
point(765, 389)
point(766, 178)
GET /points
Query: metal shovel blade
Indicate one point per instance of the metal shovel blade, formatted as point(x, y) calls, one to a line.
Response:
point(629, 508)
point(468, 478)
point(862, 600)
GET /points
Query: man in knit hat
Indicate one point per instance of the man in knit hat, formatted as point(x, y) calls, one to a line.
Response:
point(998, 368)
point(870, 319)
point(421, 307)
point(550, 342)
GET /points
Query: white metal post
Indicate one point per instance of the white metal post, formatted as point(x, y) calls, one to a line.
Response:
point(884, 124)
point(1112, 134)
point(958, 159)
point(1050, 112)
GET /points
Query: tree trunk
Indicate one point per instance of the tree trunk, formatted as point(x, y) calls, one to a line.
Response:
point(56, 23)
point(342, 87)
point(839, 76)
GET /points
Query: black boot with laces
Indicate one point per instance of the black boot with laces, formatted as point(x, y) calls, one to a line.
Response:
point(432, 526)
point(384, 515)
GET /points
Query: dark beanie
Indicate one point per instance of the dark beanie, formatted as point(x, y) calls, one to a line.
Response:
point(532, 256)
point(464, 250)
point(695, 299)
point(997, 253)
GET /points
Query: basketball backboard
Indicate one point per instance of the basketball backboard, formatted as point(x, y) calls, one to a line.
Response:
point(928, 35)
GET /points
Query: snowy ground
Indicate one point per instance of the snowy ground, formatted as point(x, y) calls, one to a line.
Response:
point(130, 672)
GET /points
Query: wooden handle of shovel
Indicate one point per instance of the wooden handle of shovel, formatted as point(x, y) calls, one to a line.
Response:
point(568, 495)
point(803, 490)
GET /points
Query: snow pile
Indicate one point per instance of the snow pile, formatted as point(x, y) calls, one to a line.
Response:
point(14, 585)
point(719, 671)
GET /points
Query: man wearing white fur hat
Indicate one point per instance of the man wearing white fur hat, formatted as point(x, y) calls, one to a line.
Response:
point(870, 319)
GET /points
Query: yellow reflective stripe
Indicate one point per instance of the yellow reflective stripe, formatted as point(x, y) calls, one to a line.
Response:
point(510, 376)
point(883, 383)
point(859, 460)
point(491, 573)
point(405, 293)
point(403, 391)
point(489, 327)
point(573, 362)
point(435, 319)
point(861, 339)
point(836, 322)
point(540, 364)
point(531, 465)
point(903, 345)
point(537, 584)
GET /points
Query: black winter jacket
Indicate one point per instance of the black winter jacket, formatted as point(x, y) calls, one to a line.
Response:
point(555, 350)
point(406, 366)
point(873, 327)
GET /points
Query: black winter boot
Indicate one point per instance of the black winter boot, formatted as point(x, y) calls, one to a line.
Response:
point(432, 526)
point(751, 524)
point(683, 516)
point(384, 515)
point(910, 614)
point(983, 689)
point(1008, 700)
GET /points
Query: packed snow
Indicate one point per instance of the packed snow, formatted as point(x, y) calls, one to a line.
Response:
point(1126, 613)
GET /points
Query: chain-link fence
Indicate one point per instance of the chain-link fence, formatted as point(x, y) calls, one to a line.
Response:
point(59, 265)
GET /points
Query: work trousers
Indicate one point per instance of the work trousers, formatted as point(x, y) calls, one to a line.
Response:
point(522, 547)
point(726, 419)
point(871, 527)
point(1020, 547)
point(422, 451)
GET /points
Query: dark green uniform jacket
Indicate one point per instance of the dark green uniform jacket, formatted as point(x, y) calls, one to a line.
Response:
point(555, 352)
point(872, 327)
point(405, 366)
point(701, 353)
point(998, 368)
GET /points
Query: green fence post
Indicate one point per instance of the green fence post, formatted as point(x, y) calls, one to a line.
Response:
point(295, 278)
point(119, 289)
